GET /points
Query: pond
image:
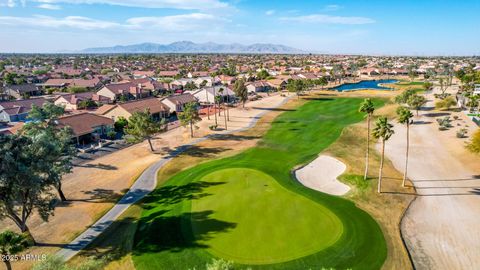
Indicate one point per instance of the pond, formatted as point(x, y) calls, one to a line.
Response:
point(376, 84)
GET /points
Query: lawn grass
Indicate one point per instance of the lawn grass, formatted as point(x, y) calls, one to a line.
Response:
point(267, 199)
point(168, 234)
point(405, 83)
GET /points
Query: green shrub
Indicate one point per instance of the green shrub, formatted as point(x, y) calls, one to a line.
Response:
point(220, 264)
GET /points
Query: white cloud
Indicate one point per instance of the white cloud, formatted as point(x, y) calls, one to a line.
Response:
point(270, 12)
point(46, 21)
point(174, 23)
point(176, 4)
point(184, 22)
point(327, 19)
point(332, 7)
point(49, 6)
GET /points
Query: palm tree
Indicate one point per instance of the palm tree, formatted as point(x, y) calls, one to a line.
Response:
point(368, 108)
point(383, 130)
point(10, 244)
point(404, 117)
point(215, 105)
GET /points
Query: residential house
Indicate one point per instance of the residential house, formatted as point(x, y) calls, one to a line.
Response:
point(22, 90)
point(64, 83)
point(141, 74)
point(227, 80)
point(128, 90)
point(176, 103)
point(310, 76)
point(278, 84)
point(258, 86)
point(207, 95)
point(157, 109)
point(15, 111)
point(168, 73)
point(71, 101)
point(86, 127)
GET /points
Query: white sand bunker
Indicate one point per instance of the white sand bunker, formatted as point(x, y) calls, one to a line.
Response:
point(321, 174)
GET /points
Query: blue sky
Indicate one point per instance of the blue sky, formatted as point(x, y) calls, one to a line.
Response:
point(427, 27)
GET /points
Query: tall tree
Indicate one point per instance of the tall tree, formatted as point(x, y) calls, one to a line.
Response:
point(43, 130)
point(241, 91)
point(10, 244)
point(221, 90)
point(189, 116)
point(141, 126)
point(296, 86)
point(383, 130)
point(404, 117)
point(368, 108)
point(416, 102)
point(24, 185)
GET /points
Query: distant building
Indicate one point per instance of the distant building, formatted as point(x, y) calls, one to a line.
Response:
point(15, 111)
point(71, 101)
point(176, 103)
point(22, 90)
point(157, 109)
point(128, 90)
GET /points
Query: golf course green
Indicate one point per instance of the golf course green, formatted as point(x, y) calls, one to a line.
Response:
point(248, 208)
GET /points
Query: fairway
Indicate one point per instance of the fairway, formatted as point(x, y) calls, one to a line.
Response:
point(249, 194)
point(249, 209)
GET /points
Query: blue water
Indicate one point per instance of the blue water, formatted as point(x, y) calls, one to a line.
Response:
point(364, 85)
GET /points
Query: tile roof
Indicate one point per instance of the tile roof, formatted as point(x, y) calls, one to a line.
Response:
point(153, 104)
point(181, 99)
point(84, 123)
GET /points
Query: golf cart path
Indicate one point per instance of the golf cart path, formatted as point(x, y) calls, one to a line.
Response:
point(321, 175)
point(441, 227)
point(145, 184)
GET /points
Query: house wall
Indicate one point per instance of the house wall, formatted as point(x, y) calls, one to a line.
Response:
point(170, 105)
point(116, 113)
point(106, 93)
point(4, 116)
point(63, 102)
point(202, 97)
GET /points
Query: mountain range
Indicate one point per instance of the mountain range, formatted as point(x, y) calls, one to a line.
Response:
point(191, 47)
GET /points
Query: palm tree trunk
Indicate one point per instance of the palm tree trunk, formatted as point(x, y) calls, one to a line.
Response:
point(381, 167)
point(8, 265)
point(215, 112)
point(225, 117)
point(228, 113)
point(368, 148)
point(60, 192)
point(406, 155)
point(150, 144)
point(208, 105)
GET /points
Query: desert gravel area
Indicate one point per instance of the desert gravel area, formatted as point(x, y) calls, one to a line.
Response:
point(321, 175)
point(441, 227)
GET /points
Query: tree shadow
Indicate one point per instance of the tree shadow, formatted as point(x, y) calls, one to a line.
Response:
point(274, 109)
point(421, 122)
point(173, 194)
point(232, 137)
point(193, 151)
point(98, 195)
point(100, 166)
point(318, 98)
point(161, 232)
point(436, 114)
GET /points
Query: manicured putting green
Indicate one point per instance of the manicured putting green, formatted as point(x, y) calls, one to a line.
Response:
point(280, 225)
